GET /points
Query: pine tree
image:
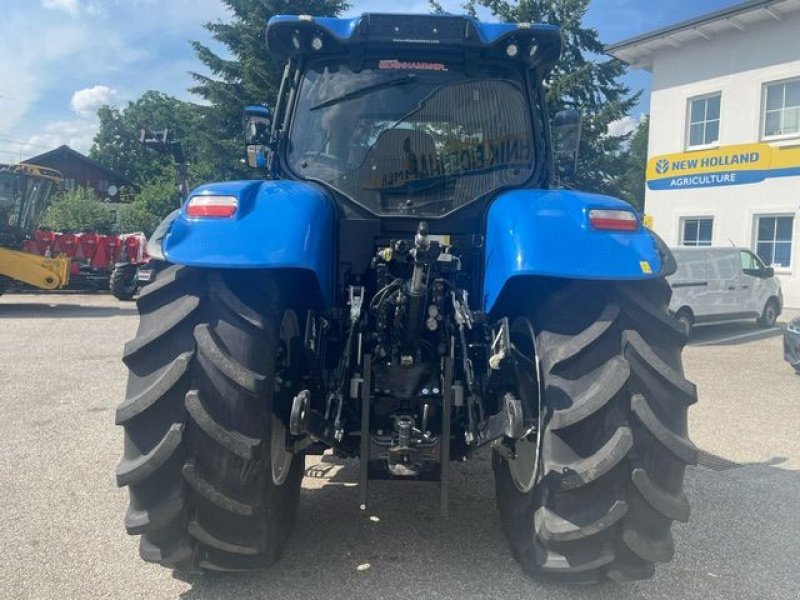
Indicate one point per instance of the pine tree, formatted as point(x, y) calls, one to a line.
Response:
point(583, 80)
point(632, 181)
point(248, 76)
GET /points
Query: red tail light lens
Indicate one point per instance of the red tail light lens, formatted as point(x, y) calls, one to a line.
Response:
point(613, 220)
point(212, 206)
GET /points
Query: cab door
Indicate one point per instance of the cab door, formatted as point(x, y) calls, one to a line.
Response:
point(725, 292)
point(754, 288)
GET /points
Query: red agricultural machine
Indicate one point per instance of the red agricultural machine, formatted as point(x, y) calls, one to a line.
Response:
point(96, 261)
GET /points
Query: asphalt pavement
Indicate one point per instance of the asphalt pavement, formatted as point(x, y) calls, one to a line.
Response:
point(61, 532)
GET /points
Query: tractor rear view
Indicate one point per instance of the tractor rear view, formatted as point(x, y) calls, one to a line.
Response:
point(406, 286)
point(25, 192)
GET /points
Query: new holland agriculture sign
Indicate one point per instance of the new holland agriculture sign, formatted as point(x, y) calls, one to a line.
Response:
point(728, 165)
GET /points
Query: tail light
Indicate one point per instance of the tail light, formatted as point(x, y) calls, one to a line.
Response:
point(613, 220)
point(212, 206)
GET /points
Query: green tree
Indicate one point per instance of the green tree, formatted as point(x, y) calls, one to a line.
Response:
point(78, 211)
point(631, 182)
point(247, 74)
point(117, 143)
point(134, 217)
point(582, 79)
point(153, 202)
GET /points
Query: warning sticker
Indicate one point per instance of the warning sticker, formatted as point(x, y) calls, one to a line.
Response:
point(646, 268)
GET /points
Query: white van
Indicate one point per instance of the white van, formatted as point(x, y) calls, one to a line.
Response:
point(722, 284)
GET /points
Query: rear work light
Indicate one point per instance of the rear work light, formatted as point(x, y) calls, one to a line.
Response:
point(212, 206)
point(613, 220)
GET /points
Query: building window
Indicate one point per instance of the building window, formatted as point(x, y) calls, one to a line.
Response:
point(774, 239)
point(703, 126)
point(697, 232)
point(782, 109)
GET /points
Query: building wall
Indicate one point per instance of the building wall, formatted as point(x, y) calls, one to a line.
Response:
point(737, 64)
point(78, 173)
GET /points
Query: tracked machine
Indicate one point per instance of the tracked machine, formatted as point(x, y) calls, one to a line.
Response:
point(406, 286)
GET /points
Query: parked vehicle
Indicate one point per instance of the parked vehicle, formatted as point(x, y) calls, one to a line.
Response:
point(791, 344)
point(408, 284)
point(25, 193)
point(124, 281)
point(723, 284)
point(91, 260)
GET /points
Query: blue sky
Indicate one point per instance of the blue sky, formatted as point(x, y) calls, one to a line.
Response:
point(61, 59)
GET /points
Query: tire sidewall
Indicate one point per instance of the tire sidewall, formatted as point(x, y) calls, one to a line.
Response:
point(770, 315)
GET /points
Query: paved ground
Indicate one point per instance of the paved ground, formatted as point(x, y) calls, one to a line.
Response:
point(61, 533)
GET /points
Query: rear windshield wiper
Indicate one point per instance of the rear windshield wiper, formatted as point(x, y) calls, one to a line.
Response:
point(366, 90)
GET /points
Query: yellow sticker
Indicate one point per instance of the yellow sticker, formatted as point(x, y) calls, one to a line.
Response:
point(648, 221)
point(645, 267)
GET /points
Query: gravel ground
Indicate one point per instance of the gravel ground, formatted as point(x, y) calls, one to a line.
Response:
point(61, 512)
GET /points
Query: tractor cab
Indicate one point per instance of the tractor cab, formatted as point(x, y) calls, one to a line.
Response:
point(408, 115)
point(25, 191)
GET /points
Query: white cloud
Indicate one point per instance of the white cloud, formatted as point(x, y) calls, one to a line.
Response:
point(85, 102)
point(77, 134)
point(57, 51)
point(27, 68)
point(624, 126)
point(71, 7)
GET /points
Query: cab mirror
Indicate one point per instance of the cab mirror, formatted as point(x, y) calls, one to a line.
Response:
point(566, 130)
point(769, 272)
point(257, 122)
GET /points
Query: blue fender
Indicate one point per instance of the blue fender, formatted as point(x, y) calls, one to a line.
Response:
point(277, 225)
point(547, 233)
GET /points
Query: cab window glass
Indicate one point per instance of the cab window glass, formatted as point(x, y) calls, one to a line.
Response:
point(413, 138)
point(748, 261)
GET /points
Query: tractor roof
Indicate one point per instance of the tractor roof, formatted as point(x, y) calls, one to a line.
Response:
point(291, 35)
point(31, 171)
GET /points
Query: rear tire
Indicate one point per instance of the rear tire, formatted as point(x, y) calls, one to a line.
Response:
point(199, 423)
point(769, 316)
point(614, 440)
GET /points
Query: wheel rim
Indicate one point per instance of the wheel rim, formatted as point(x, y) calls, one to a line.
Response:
point(685, 324)
point(280, 457)
point(770, 315)
point(524, 467)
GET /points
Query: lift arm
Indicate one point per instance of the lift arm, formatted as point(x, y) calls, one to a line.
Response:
point(38, 271)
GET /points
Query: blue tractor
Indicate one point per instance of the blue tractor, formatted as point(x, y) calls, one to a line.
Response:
point(406, 285)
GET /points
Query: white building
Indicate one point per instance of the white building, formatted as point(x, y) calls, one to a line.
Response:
point(724, 155)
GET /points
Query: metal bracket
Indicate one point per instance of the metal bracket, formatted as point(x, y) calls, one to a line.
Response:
point(305, 421)
point(501, 345)
point(461, 311)
point(355, 301)
point(510, 423)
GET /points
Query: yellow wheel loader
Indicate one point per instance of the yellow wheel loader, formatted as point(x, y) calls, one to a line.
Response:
point(25, 191)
